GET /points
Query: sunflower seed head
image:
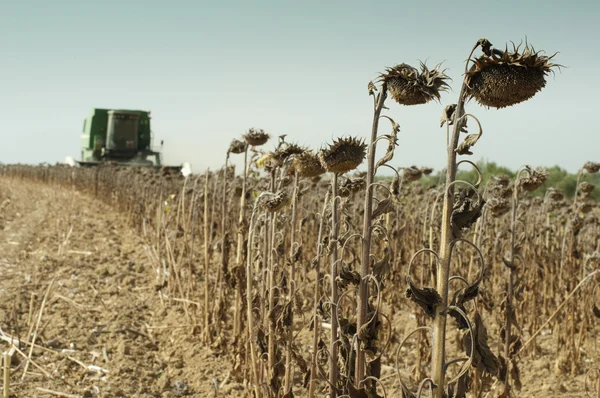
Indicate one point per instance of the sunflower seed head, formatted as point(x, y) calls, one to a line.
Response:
point(344, 155)
point(307, 164)
point(273, 202)
point(591, 167)
point(256, 137)
point(412, 173)
point(503, 78)
point(286, 151)
point(237, 147)
point(533, 181)
point(409, 86)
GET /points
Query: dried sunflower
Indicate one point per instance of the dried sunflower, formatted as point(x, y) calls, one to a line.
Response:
point(591, 167)
point(256, 137)
point(412, 173)
point(584, 207)
point(503, 78)
point(409, 86)
point(351, 185)
point(273, 202)
point(535, 179)
point(307, 164)
point(586, 187)
point(426, 170)
point(555, 195)
point(498, 206)
point(285, 151)
point(345, 154)
point(236, 147)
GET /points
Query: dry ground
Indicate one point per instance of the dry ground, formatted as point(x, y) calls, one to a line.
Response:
point(104, 330)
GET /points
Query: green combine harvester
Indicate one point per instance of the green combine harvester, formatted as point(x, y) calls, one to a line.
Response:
point(119, 137)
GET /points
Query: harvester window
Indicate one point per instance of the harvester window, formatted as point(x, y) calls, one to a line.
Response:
point(123, 132)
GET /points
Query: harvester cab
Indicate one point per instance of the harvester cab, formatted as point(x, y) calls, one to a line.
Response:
point(118, 136)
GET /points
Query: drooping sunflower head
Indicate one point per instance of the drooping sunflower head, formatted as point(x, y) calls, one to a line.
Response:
point(273, 202)
point(237, 146)
point(286, 151)
point(555, 195)
point(344, 155)
point(498, 206)
point(591, 167)
point(412, 173)
point(499, 79)
point(256, 137)
point(307, 164)
point(409, 86)
point(534, 180)
point(586, 188)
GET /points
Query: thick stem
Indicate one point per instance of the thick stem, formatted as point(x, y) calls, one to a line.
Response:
point(237, 324)
point(249, 279)
point(509, 286)
point(333, 355)
point(316, 323)
point(363, 290)
point(289, 373)
point(439, 326)
point(577, 189)
point(206, 263)
point(271, 284)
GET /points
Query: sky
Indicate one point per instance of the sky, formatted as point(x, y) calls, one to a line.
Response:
point(209, 71)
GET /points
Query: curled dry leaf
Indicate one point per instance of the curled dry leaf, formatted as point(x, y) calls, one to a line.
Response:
point(460, 298)
point(483, 357)
point(383, 207)
point(466, 211)
point(464, 148)
point(427, 298)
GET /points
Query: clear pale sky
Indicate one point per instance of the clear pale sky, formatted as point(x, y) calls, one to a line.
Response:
point(208, 71)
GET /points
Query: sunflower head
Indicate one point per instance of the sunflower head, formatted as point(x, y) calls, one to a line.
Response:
point(555, 195)
point(503, 78)
point(591, 167)
point(237, 147)
point(344, 155)
point(584, 207)
point(498, 206)
point(273, 202)
point(534, 180)
point(410, 86)
point(307, 164)
point(285, 151)
point(586, 188)
point(412, 173)
point(256, 137)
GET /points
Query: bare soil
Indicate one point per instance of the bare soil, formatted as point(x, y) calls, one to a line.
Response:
point(76, 281)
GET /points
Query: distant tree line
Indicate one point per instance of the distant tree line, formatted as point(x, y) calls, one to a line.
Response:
point(558, 178)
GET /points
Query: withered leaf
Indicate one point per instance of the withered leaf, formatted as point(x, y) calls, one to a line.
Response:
point(347, 276)
point(515, 375)
point(448, 115)
point(466, 211)
point(357, 393)
point(596, 311)
point(392, 143)
point(460, 298)
point(483, 357)
point(385, 206)
point(464, 148)
point(406, 393)
point(297, 254)
point(381, 268)
point(427, 298)
point(460, 388)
